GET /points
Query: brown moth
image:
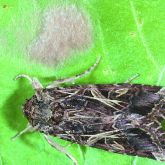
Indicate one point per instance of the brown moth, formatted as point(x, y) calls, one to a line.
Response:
point(123, 118)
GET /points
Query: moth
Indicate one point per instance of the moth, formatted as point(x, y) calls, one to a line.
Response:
point(123, 118)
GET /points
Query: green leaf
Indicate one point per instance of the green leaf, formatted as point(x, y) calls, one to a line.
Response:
point(128, 34)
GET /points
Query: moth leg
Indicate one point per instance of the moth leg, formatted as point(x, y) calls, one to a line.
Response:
point(57, 83)
point(34, 81)
point(60, 148)
point(27, 129)
point(132, 78)
point(162, 91)
point(159, 155)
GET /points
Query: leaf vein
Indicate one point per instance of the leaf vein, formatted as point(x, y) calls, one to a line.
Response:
point(141, 35)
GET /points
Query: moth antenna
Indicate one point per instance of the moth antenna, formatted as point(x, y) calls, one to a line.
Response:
point(60, 148)
point(27, 129)
point(33, 81)
point(57, 83)
point(132, 78)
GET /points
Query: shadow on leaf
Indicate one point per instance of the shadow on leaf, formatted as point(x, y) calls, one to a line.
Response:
point(13, 109)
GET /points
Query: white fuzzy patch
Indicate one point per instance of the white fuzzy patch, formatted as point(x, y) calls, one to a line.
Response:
point(64, 29)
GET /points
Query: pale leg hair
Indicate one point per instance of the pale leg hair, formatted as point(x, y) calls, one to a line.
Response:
point(51, 142)
point(28, 128)
point(60, 148)
point(72, 80)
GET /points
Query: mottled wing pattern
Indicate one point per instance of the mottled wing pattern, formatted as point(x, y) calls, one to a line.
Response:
point(122, 118)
